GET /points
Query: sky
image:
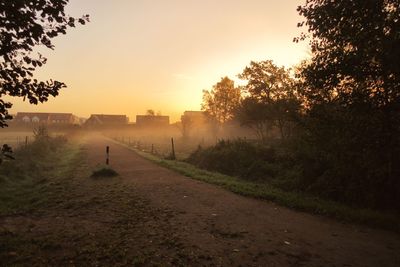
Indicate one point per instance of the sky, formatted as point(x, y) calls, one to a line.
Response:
point(136, 55)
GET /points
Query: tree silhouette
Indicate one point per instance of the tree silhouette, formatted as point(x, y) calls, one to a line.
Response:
point(150, 112)
point(266, 81)
point(220, 102)
point(355, 51)
point(271, 100)
point(256, 116)
point(186, 126)
point(352, 89)
point(24, 25)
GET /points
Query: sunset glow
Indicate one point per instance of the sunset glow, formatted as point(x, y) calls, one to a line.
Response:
point(139, 55)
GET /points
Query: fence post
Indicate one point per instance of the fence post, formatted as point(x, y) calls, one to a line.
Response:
point(173, 148)
point(26, 141)
point(107, 155)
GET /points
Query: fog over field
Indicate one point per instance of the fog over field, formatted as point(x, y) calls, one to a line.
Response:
point(199, 133)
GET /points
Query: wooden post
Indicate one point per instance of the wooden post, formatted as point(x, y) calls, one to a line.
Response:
point(26, 141)
point(152, 149)
point(107, 155)
point(173, 148)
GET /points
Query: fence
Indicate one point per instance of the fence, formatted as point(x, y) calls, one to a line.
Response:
point(165, 148)
point(15, 140)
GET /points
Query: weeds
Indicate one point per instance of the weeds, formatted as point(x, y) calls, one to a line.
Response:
point(6, 153)
point(23, 181)
point(104, 172)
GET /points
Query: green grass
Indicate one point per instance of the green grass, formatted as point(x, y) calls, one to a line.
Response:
point(25, 182)
point(31, 185)
point(294, 200)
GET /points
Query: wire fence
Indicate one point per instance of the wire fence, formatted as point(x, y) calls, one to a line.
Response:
point(164, 148)
point(16, 140)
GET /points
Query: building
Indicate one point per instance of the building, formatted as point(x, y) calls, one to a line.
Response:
point(46, 118)
point(106, 120)
point(193, 124)
point(152, 121)
point(194, 118)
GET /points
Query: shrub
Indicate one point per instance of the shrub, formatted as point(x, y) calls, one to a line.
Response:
point(237, 158)
point(104, 172)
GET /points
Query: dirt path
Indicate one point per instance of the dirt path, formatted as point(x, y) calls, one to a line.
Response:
point(151, 216)
point(222, 228)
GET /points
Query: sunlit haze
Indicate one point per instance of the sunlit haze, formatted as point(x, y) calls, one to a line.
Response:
point(136, 55)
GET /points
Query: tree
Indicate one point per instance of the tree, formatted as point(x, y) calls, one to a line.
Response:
point(220, 103)
point(185, 126)
point(352, 88)
point(271, 100)
point(355, 50)
point(285, 112)
point(266, 81)
point(150, 112)
point(255, 115)
point(24, 25)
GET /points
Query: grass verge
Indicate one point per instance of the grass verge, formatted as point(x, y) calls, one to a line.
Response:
point(294, 200)
point(25, 182)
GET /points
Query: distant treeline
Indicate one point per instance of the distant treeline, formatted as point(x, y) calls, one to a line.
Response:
point(337, 114)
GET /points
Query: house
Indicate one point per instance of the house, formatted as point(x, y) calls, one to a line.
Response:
point(46, 118)
point(193, 124)
point(106, 120)
point(194, 118)
point(152, 121)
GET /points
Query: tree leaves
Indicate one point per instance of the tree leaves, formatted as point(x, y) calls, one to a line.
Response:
point(221, 102)
point(354, 40)
point(271, 101)
point(25, 24)
point(351, 87)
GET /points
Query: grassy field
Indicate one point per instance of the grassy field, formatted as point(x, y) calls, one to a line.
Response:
point(295, 200)
point(54, 212)
point(25, 181)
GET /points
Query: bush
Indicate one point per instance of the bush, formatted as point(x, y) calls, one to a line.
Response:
point(104, 172)
point(329, 162)
point(351, 154)
point(237, 158)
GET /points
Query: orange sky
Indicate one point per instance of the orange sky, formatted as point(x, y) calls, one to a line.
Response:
point(136, 55)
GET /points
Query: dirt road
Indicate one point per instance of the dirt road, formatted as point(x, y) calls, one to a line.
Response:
point(152, 216)
point(222, 228)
